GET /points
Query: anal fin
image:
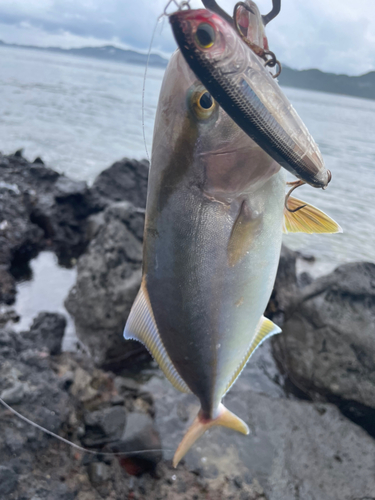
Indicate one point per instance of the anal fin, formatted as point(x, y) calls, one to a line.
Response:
point(266, 328)
point(308, 219)
point(141, 326)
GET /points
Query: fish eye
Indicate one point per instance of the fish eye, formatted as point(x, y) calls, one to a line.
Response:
point(205, 101)
point(202, 103)
point(205, 35)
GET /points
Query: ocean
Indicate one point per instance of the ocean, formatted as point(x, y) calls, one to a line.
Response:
point(80, 115)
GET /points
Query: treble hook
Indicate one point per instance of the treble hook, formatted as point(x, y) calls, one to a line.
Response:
point(180, 6)
point(295, 185)
point(212, 5)
point(268, 56)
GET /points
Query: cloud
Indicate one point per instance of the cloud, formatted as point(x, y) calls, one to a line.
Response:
point(336, 36)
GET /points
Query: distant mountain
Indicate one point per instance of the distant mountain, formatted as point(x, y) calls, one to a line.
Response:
point(310, 79)
point(314, 79)
point(107, 52)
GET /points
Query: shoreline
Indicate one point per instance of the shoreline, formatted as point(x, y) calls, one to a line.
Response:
point(316, 375)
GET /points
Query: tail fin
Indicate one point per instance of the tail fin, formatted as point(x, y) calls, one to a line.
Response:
point(200, 425)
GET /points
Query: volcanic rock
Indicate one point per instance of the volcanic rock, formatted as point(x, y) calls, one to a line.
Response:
point(327, 346)
point(108, 279)
point(48, 330)
point(125, 180)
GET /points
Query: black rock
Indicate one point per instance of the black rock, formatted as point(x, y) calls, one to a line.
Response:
point(108, 279)
point(142, 437)
point(7, 287)
point(39, 208)
point(8, 481)
point(327, 345)
point(125, 180)
point(48, 331)
point(285, 288)
point(38, 160)
point(304, 279)
point(103, 426)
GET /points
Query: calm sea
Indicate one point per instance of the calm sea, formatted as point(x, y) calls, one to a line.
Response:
point(80, 115)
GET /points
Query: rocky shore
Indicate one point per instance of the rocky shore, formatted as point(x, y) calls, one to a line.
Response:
point(309, 400)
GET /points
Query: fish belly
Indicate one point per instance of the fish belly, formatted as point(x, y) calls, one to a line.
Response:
point(206, 307)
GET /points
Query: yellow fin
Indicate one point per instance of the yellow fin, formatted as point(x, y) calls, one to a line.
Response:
point(141, 326)
point(243, 234)
point(264, 330)
point(308, 219)
point(200, 425)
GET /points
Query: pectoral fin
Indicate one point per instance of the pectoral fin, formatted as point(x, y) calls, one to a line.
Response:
point(244, 232)
point(141, 326)
point(264, 330)
point(308, 219)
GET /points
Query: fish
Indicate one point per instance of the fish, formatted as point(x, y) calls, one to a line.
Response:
point(239, 81)
point(215, 216)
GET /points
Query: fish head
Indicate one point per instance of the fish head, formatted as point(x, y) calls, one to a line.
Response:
point(237, 78)
point(195, 139)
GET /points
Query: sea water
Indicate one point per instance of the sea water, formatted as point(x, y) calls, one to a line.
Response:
point(80, 115)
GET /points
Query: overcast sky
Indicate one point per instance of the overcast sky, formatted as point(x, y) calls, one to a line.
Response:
point(332, 35)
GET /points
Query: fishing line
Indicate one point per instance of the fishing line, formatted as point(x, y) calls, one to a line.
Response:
point(144, 84)
point(183, 4)
point(73, 445)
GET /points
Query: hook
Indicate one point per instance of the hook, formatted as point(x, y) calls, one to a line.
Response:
point(212, 5)
point(276, 7)
point(295, 185)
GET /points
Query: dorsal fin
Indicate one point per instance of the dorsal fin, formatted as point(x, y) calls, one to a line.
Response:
point(243, 233)
point(141, 326)
point(308, 219)
point(264, 330)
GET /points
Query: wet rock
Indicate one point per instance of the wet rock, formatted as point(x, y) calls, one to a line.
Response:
point(302, 450)
point(125, 384)
point(295, 449)
point(140, 436)
point(36, 391)
point(67, 188)
point(7, 286)
point(304, 279)
point(98, 472)
point(14, 394)
point(8, 315)
point(8, 481)
point(20, 239)
point(327, 346)
point(103, 426)
point(47, 331)
point(285, 288)
point(39, 208)
point(108, 279)
point(36, 466)
point(125, 180)
point(38, 160)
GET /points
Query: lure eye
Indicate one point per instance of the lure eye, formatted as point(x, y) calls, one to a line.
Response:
point(205, 36)
point(205, 101)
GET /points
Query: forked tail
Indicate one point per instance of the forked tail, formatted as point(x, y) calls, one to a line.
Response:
point(201, 424)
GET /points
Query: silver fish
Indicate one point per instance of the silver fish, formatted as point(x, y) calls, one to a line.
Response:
point(237, 78)
point(214, 223)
